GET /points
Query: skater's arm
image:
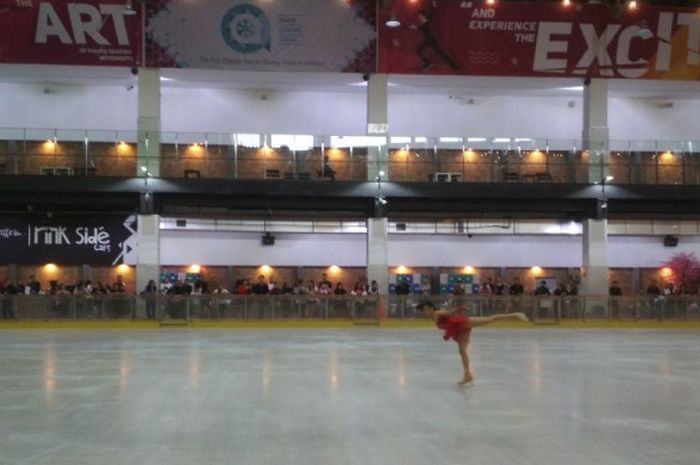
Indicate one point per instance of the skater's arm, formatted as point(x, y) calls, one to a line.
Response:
point(441, 313)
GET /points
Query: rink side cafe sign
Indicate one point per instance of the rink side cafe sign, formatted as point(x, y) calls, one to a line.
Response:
point(104, 240)
point(260, 35)
point(81, 32)
point(539, 39)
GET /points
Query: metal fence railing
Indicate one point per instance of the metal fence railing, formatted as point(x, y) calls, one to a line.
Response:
point(351, 308)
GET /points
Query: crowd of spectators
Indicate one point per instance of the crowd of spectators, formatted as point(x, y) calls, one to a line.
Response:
point(324, 287)
point(490, 287)
point(33, 287)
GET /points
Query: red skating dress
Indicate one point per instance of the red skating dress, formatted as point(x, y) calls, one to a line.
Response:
point(453, 325)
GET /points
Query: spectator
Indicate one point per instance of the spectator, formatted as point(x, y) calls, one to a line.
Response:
point(425, 287)
point(403, 288)
point(287, 289)
point(242, 287)
point(373, 288)
point(33, 285)
point(274, 288)
point(311, 287)
point(149, 294)
point(261, 287)
point(201, 286)
point(119, 287)
point(486, 288)
point(653, 289)
point(516, 288)
point(361, 284)
point(339, 289)
point(669, 290)
point(655, 298)
point(326, 171)
point(299, 288)
point(359, 289)
point(615, 289)
point(220, 290)
point(499, 288)
point(100, 288)
point(542, 289)
point(561, 290)
point(8, 291)
point(615, 292)
point(458, 289)
point(325, 287)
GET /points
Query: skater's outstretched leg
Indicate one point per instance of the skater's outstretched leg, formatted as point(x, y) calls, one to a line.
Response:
point(475, 321)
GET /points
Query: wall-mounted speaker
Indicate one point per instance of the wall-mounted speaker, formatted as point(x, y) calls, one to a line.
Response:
point(670, 241)
point(268, 239)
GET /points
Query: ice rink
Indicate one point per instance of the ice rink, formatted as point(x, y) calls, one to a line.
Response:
point(355, 396)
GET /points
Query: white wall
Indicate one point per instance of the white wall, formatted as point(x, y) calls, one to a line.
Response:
point(646, 251)
point(67, 107)
point(229, 248)
point(245, 249)
point(485, 251)
point(643, 119)
point(340, 113)
point(225, 110)
point(438, 115)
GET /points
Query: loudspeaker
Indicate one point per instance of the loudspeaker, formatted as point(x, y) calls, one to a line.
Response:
point(181, 223)
point(670, 241)
point(268, 239)
point(400, 226)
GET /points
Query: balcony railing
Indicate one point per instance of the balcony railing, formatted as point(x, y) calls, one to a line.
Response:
point(318, 158)
point(349, 308)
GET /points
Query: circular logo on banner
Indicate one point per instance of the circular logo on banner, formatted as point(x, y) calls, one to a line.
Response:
point(245, 28)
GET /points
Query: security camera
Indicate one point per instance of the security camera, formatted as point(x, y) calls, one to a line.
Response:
point(587, 82)
point(130, 87)
point(365, 77)
point(134, 71)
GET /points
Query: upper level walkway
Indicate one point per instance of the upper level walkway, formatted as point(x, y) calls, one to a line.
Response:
point(329, 158)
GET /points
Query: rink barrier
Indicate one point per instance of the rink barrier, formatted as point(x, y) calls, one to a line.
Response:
point(356, 309)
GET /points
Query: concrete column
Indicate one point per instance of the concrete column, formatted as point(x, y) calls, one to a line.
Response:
point(148, 263)
point(377, 124)
point(377, 256)
point(596, 139)
point(594, 274)
point(596, 135)
point(149, 121)
point(377, 104)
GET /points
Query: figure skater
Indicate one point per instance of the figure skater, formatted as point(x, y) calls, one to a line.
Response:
point(458, 326)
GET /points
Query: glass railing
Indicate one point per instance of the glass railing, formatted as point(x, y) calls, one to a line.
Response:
point(350, 308)
point(331, 158)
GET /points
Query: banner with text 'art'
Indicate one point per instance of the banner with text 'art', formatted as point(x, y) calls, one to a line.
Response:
point(83, 32)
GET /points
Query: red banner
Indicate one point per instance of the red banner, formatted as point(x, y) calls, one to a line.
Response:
point(539, 39)
point(87, 32)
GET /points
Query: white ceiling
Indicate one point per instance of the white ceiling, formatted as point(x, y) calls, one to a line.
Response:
point(462, 86)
